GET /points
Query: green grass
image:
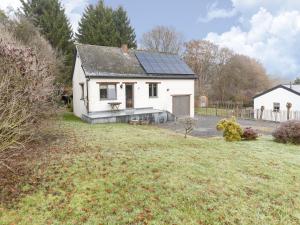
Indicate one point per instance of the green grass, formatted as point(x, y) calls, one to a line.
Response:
point(214, 111)
point(122, 174)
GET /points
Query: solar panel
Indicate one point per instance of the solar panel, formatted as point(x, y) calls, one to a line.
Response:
point(162, 63)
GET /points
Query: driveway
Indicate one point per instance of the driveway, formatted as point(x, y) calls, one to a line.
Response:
point(206, 126)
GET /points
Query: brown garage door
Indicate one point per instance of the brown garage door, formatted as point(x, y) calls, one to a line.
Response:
point(181, 105)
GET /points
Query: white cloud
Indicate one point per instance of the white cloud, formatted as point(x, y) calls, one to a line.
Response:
point(217, 13)
point(271, 38)
point(74, 9)
point(7, 5)
point(273, 6)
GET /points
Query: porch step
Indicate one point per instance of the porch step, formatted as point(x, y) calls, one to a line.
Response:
point(122, 116)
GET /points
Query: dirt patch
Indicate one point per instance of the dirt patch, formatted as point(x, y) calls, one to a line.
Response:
point(22, 170)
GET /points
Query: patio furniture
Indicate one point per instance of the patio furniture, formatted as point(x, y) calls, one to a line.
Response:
point(114, 105)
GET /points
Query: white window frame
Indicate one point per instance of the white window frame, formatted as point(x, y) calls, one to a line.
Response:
point(152, 87)
point(82, 91)
point(107, 93)
point(276, 107)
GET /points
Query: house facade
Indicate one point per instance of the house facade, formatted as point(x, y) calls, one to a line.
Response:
point(117, 81)
point(272, 104)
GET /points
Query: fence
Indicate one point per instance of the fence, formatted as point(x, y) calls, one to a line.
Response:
point(280, 116)
point(244, 113)
point(250, 113)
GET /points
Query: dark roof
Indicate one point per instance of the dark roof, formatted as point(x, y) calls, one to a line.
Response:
point(295, 89)
point(101, 61)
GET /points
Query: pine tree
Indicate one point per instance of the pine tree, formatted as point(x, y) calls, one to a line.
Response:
point(50, 17)
point(97, 26)
point(100, 25)
point(125, 33)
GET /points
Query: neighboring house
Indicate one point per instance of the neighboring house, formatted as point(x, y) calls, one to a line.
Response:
point(118, 84)
point(272, 104)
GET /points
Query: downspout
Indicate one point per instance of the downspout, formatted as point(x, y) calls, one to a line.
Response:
point(87, 91)
point(87, 95)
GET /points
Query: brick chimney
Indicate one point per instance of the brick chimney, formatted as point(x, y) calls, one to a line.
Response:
point(124, 48)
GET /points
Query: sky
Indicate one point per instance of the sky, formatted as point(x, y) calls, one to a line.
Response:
point(268, 30)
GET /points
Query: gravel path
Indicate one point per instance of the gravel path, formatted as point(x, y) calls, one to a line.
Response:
point(206, 126)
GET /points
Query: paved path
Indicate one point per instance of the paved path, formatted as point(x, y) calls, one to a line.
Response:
point(206, 126)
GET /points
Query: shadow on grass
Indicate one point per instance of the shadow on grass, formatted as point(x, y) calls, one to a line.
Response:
point(69, 117)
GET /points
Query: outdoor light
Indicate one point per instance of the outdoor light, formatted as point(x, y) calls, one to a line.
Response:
point(121, 86)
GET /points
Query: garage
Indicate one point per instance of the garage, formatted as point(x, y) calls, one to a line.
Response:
point(181, 105)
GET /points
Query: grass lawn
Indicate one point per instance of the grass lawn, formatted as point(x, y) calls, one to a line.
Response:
point(122, 174)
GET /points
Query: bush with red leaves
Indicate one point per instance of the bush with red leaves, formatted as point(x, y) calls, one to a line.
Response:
point(288, 132)
point(249, 134)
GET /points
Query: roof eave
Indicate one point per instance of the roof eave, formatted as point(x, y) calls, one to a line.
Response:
point(274, 88)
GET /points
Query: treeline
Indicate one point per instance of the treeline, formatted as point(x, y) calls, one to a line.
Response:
point(99, 25)
point(224, 75)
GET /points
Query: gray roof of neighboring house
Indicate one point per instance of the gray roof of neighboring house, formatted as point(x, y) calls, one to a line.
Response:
point(101, 61)
point(294, 88)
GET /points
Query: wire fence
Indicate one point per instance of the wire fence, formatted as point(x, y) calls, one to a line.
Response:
point(250, 113)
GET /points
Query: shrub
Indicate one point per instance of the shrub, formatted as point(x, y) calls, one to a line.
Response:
point(249, 134)
point(26, 88)
point(288, 132)
point(232, 131)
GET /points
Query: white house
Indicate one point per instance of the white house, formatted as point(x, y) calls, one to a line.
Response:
point(272, 104)
point(116, 84)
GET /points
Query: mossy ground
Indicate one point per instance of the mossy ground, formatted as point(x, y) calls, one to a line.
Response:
point(122, 174)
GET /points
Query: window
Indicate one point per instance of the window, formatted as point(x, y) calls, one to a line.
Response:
point(152, 90)
point(82, 91)
point(108, 92)
point(276, 107)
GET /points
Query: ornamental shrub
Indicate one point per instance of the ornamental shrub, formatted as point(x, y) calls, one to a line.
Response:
point(288, 132)
point(232, 131)
point(249, 134)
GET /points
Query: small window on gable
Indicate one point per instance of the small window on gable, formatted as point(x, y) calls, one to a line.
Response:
point(152, 90)
point(82, 91)
point(108, 92)
point(276, 107)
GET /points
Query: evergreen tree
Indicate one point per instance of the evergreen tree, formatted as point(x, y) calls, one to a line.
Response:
point(100, 25)
point(297, 81)
point(125, 33)
point(97, 26)
point(50, 17)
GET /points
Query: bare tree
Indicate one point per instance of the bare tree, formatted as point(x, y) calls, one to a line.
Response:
point(240, 78)
point(188, 124)
point(163, 39)
point(206, 59)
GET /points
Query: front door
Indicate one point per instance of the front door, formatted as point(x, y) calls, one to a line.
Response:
point(129, 96)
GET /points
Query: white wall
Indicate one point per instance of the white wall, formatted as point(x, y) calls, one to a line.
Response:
point(166, 88)
point(79, 105)
point(281, 96)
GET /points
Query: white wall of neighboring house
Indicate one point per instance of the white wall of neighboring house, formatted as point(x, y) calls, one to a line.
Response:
point(166, 89)
point(79, 104)
point(279, 95)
